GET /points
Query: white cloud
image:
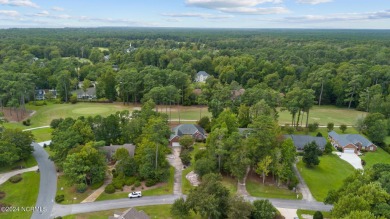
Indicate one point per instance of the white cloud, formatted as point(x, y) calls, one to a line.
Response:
point(239, 6)
point(215, 4)
point(9, 13)
point(339, 17)
point(257, 11)
point(20, 3)
point(313, 2)
point(42, 14)
point(55, 8)
point(198, 15)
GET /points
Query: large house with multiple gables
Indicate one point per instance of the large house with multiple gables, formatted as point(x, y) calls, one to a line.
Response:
point(351, 143)
point(195, 131)
point(300, 141)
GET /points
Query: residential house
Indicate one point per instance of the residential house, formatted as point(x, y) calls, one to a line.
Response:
point(351, 143)
point(195, 131)
point(42, 94)
point(201, 76)
point(300, 141)
point(131, 213)
point(109, 151)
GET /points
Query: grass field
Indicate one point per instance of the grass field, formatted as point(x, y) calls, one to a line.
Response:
point(379, 156)
point(69, 191)
point(43, 134)
point(166, 189)
point(30, 162)
point(154, 211)
point(22, 194)
point(325, 114)
point(257, 189)
point(329, 174)
point(300, 212)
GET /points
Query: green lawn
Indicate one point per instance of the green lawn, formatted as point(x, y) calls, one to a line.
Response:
point(230, 183)
point(154, 211)
point(379, 156)
point(257, 189)
point(30, 162)
point(309, 212)
point(43, 134)
point(166, 189)
point(329, 174)
point(22, 194)
point(325, 114)
point(69, 191)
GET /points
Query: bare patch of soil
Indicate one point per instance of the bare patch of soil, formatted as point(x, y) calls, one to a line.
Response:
point(17, 115)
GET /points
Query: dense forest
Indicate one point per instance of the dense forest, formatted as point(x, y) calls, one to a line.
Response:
point(348, 68)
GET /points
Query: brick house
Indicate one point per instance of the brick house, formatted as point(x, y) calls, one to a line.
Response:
point(351, 143)
point(197, 133)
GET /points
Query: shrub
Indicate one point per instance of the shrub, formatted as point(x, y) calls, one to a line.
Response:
point(118, 183)
point(129, 181)
point(27, 122)
point(137, 183)
point(114, 173)
point(204, 122)
point(328, 148)
point(60, 198)
point(200, 154)
point(150, 182)
point(363, 162)
point(55, 123)
point(290, 130)
point(44, 145)
point(109, 189)
point(330, 126)
point(313, 126)
point(73, 99)
point(2, 195)
point(319, 134)
point(293, 182)
point(343, 127)
point(339, 149)
point(185, 157)
point(81, 188)
point(59, 217)
point(39, 103)
point(97, 185)
point(318, 215)
point(15, 179)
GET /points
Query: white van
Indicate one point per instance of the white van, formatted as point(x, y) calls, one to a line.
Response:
point(135, 195)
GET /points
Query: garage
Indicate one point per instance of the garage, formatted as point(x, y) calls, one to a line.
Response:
point(349, 150)
point(175, 144)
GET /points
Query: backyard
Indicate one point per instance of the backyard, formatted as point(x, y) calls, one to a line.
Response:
point(379, 156)
point(329, 174)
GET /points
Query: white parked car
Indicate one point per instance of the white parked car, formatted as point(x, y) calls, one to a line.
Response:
point(135, 195)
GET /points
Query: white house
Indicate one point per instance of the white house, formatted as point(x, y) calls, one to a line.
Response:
point(201, 76)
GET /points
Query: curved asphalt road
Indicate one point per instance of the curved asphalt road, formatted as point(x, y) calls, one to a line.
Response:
point(47, 185)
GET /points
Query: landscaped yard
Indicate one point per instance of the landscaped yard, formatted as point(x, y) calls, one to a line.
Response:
point(325, 114)
point(329, 174)
point(257, 189)
point(154, 211)
point(379, 156)
point(30, 162)
point(185, 184)
point(22, 194)
point(165, 189)
point(69, 191)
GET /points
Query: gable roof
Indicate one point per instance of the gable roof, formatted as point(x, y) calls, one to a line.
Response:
point(344, 140)
point(186, 129)
point(301, 140)
point(202, 73)
point(110, 150)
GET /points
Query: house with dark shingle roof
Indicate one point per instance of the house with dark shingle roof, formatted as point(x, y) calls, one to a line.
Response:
point(201, 76)
point(131, 213)
point(300, 141)
point(195, 131)
point(109, 151)
point(351, 143)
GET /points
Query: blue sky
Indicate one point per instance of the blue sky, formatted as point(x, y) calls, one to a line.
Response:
point(354, 14)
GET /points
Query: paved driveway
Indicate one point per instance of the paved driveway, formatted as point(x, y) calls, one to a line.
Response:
point(351, 158)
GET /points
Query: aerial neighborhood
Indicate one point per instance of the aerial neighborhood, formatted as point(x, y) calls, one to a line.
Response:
point(144, 120)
